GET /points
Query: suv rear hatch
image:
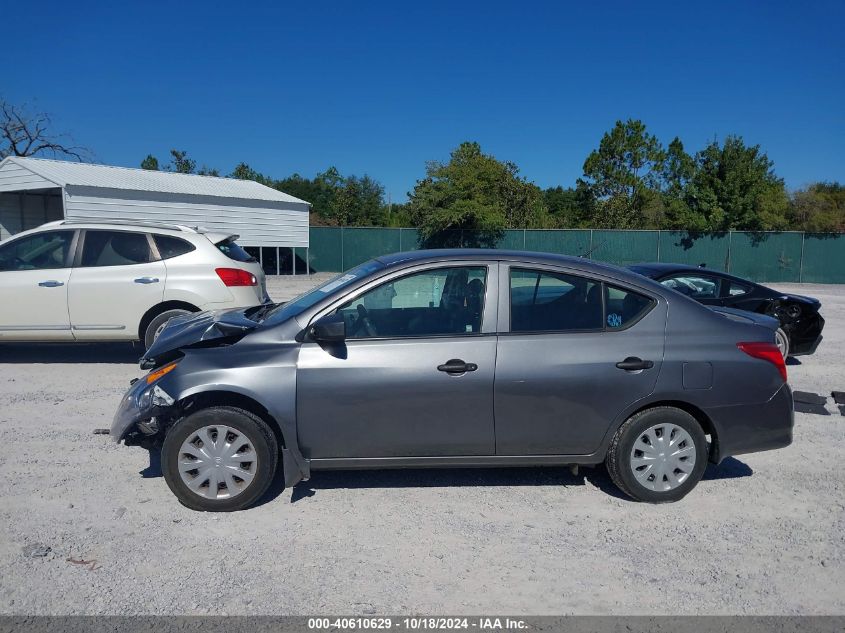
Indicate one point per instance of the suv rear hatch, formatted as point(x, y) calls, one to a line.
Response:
point(227, 244)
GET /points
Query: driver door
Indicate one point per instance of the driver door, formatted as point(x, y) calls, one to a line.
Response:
point(395, 387)
point(34, 274)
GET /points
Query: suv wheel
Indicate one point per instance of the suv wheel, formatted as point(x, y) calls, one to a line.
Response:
point(157, 324)
point(219, 459)
point(658, 455)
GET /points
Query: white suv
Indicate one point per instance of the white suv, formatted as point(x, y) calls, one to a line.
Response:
point(115, 281)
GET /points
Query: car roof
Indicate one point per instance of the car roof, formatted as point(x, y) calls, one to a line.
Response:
point(657, 269)
point(666, 267)
point(127, 224)
point(527, 257)
point(147, 227)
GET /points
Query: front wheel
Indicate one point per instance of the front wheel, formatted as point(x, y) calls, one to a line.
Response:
point(658, 455)
point(219, 459)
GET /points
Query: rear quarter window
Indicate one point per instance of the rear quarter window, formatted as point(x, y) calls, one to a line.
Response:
point(623, 308)
point(169, 247)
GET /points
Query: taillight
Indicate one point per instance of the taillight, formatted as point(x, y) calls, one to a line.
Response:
point(236, 277)
point(765, 351)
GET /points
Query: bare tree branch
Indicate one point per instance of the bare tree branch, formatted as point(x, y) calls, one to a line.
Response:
point(23, 133)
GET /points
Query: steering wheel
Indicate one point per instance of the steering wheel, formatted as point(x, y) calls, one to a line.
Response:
point(364, 322)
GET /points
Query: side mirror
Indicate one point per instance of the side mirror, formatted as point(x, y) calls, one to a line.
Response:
point(329, 329)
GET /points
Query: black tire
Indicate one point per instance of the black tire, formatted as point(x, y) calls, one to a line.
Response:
point(151, 331)
point(618, 460)
point(246, 423)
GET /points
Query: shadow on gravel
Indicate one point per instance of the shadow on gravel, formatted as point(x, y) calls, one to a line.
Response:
point(792, 361)
point(455, 477)
point(730, 468)
point(153, 470)
point(19, 353)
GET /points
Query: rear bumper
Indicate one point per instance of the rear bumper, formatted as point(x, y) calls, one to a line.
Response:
point(754, 427)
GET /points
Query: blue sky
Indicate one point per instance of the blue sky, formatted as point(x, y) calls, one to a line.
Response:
point(381, 88)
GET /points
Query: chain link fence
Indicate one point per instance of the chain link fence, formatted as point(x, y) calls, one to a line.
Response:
point(763, 256)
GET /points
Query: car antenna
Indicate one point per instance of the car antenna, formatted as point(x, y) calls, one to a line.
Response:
point(703, 265)
point(589, 252)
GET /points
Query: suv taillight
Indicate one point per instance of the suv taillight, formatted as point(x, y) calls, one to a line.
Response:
point(765, 351)
point(236, 277)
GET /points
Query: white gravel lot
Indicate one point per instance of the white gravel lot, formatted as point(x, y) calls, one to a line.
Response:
point(763, 534)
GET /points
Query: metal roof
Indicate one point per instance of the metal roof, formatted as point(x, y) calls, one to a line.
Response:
point(65, 173)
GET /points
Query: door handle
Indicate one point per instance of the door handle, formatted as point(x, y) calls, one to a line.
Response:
point(632, 363)
point(51, 283)
point(146, 280)
point(456, 366)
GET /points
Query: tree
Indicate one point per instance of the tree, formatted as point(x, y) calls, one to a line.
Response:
point(736, 188)
point(24, 133)
point(570, 207)
point(623, 174)
point(472, 192)
point(818, 208)
point(180, 163)
point(150, 163)
point(679, 200)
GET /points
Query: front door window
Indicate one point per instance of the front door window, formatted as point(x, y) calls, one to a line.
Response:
point(438, 302)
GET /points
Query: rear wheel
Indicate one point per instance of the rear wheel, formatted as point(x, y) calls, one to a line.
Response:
point(782, 341)
point(156, 325)
point(658, 455)
point(219, 459)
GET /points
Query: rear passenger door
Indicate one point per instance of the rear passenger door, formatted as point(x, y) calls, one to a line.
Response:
point(116, 278)
point(558, 386)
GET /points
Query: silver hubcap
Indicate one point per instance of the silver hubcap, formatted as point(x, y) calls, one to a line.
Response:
point(217, 462)
point(663, 457)
point(159, 330)
point(782, 342)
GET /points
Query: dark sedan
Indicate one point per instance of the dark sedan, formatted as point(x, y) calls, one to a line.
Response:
point(458, 358)
point(801, 324)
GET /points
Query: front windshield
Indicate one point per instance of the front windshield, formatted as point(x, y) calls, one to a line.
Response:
point(294, 307)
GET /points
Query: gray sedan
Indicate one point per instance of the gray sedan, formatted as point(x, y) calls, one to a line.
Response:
point(458, 358)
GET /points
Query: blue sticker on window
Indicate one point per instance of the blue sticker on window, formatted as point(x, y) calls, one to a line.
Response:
point(614, 320)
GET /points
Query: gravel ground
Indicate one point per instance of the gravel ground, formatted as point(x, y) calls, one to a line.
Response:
point(763, 534)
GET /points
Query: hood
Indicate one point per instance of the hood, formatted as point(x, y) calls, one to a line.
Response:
point(747, 317)
point(801, 299)
point(201, 329)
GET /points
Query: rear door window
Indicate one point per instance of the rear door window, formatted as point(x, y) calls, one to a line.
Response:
point(694, 285)
point(170, 247)
point(737, 288)
point(543, 301)
point(231, 249)
point(115, 248)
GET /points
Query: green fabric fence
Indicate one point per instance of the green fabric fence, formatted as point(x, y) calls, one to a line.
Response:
point(764, 256)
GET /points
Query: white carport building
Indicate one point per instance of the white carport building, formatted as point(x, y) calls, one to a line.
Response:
point(272, 225)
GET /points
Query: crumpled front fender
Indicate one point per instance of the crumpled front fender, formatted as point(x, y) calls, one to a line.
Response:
point(137, 405)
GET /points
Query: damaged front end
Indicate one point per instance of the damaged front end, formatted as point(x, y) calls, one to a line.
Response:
point(148, 408)
point(145, 411)
point(202, 329)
